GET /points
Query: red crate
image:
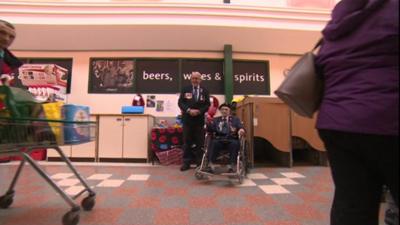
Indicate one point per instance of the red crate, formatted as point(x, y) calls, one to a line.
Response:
point(39, 154)
point(5, 159)
point(163, 139)
point(170, 157)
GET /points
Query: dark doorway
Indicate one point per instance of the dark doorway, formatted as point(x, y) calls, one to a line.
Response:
point(265, 154)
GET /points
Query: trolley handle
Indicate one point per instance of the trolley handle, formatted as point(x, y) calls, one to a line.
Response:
point(45, 120)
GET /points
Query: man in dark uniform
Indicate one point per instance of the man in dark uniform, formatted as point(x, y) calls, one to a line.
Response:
point(194, 102)
point(226, 129)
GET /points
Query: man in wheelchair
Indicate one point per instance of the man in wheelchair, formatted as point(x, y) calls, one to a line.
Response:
point(226, 131)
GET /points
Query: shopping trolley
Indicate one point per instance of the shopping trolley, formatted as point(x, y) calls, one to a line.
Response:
point(20, 134)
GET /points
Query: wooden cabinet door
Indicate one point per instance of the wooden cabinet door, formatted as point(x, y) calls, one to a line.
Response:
point(305, 128)
point(136, 136)
point(273, 123)
point(110, 136)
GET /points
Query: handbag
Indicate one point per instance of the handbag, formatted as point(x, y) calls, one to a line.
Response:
point(302, 88)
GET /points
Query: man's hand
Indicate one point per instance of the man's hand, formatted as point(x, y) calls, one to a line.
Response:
point(194, 112)
point(241, 132)
point(197, 112)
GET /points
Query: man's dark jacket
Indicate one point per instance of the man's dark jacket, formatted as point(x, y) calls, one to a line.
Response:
point(187, 101)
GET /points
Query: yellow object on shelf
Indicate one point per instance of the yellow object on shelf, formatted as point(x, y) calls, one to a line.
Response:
point(238, 99)
point(53, 111)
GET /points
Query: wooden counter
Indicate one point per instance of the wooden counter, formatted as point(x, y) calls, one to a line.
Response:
point(273, 121)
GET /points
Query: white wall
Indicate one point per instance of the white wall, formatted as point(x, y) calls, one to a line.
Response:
point(111, 103)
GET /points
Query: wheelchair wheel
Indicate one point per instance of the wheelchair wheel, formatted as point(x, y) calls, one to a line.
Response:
point(240, 179)
point(204, 162)
point(246, 158)
point(198, 175)
point(204, 158)
point(242, 171)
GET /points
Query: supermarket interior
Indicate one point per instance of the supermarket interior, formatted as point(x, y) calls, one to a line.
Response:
point(199, 112)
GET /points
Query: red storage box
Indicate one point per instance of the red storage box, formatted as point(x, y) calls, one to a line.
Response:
point(170, 157)
point(164, 139)
point(39, 154)
point(5, 159)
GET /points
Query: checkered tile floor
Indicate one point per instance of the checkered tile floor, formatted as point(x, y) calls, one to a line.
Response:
point(146, 195)
point(72, 186)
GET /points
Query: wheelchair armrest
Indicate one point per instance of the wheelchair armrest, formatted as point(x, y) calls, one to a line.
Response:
point(210, 134)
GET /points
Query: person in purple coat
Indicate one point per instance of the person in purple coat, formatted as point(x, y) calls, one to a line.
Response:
point(359, 114)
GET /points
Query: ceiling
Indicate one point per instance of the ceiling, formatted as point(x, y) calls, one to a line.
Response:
point(161, 37)
point(152, 27)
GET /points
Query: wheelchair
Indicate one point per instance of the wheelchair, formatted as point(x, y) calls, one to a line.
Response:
point(202, 172)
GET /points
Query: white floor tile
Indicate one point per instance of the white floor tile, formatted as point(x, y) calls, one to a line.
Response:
point(256, 176)
point(139, 177)
point(293, 175)
point(74, 190)
point(247, 183)
point(67, 182)
point(62, 175)
point(274, 189)
point(284, 181)
point(99, 176)
point(111, 183)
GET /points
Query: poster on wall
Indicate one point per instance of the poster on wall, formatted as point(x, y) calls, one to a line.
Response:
point(160, 106)
point(47, 79)
point(211, 70)
point(251, 77)
point(111, 76)
point(151, 101)
point(157, 76)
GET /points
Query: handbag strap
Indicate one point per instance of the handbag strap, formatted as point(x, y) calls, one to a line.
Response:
point(319, 43)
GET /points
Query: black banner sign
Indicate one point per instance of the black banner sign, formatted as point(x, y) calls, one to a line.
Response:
point(157, 76)
point(211, 70)
point(168, 76)
point(111, 76)
point(48, 79)
point(251, 77)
